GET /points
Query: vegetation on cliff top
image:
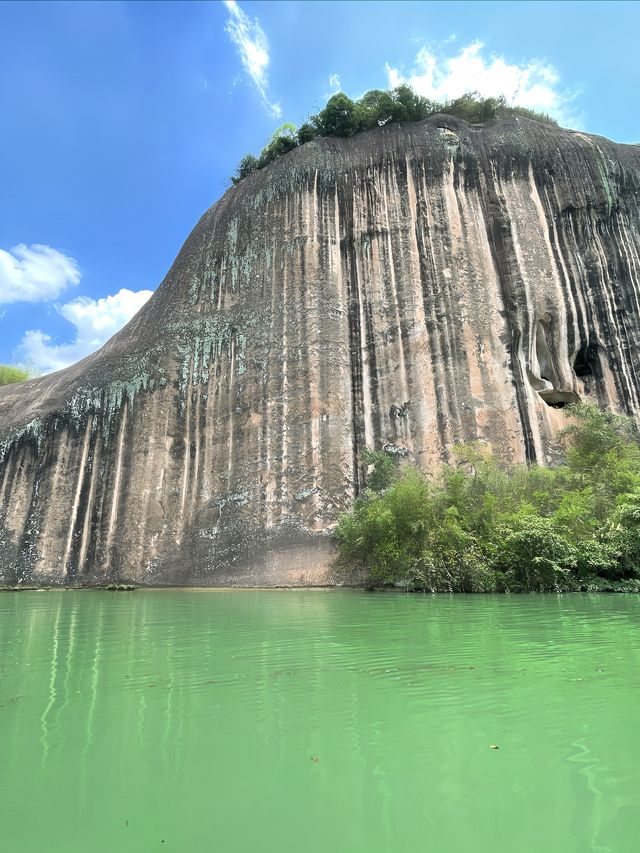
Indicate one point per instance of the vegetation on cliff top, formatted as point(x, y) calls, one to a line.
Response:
point(484, 526)
point(344, 117)
point(9, 374)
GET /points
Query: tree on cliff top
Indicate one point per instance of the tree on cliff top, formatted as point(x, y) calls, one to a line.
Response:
point(344, 117)
point(283, 139)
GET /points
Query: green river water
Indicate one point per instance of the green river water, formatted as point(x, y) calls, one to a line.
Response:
point(318, 720)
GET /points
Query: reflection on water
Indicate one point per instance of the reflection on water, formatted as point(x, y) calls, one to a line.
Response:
point(318, 720)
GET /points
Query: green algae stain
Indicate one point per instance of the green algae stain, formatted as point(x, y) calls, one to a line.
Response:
point(211, 340)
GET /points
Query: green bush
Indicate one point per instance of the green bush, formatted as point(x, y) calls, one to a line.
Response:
point(246, 167)
point(386, 527)
point(307, 133)
point(283, 140)
point(486, 526)
point(533, 555)
point(382, 469)
point(338, 118)
point(9, 374)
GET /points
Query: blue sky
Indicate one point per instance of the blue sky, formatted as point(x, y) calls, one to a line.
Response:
point(121, 122)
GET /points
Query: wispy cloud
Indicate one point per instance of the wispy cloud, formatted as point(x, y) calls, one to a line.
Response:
point(95, 321)
point(35, 273)
point(535, 83)
point(334, 82)
point(253, 48)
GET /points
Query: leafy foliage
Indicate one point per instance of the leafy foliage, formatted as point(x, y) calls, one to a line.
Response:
point(9, 374)
point(343, 117)
point(338, 118)
point(246, 167)
point(307, 132)
point(382, 468)
point(486, 526)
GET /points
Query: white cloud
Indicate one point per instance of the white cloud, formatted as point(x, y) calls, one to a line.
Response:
point(95, 321)
point(534, 84)
point(35, 273)
point(253, 48)
point(334, 82)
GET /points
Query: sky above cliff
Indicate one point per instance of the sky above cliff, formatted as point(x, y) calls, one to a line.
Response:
point(121, 122)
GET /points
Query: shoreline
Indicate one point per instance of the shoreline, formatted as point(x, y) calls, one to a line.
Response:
point(357, 587)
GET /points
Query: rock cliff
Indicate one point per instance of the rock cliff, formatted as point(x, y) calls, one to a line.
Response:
point(405, 289)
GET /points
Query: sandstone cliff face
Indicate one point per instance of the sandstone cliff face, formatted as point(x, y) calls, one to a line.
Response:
point(407, 289)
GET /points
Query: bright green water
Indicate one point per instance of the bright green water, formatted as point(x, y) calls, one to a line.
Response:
point(318, 721)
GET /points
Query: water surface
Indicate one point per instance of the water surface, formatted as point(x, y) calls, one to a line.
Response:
point(318, 721)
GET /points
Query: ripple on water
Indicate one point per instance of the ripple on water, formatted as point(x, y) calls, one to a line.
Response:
point(353, 721)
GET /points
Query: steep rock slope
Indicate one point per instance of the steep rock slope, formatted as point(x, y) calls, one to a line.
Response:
point(409, 288)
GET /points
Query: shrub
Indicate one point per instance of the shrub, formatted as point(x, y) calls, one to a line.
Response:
point(246, 166)
point(486, 526)
point(283, 140)
point(10, 374)
point(306, 133)
point(384, 469)
point(533, 555)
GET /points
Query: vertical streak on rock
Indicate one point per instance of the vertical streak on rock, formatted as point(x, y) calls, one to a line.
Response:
point(186, 464)
point(337, 372)
point(460, 340)
point(458, 343)
point(52, 473)
point(432, 317)
point(452, 347)
point(76, 498)
point(610, 262)
point(315, 399)
point(267, 479)
point(354, 376)
point(632, 254)
point(579, 312)
point(576, 244)
point(376, 322)
point(630, 271)
point(147, 465)
point(195, 478)
point(210, 433)
point(363, 325)
point(616, 323)
point(22, 514)
point(10, 467)
point(568, 254)
point(284, 392)
point(355, 335)
point(364, 240)
point(501, 242)
point(231, 358)
point(538, 317)
point(89, 507)
point(416, 347)
point(116, 496)
point(310, 344)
